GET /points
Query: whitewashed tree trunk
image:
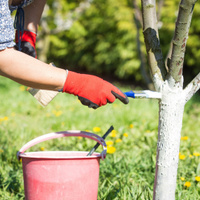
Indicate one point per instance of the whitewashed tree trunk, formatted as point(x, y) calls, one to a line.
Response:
point(168, 80)
point(169, 133)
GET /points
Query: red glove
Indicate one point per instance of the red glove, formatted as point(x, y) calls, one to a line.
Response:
point(28, 41)
point(91, 90)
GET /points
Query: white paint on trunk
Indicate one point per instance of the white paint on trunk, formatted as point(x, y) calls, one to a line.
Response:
point(169, 133)
point(157, 82)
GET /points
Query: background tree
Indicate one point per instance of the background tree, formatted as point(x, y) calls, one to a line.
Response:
point(105, 37)
point(169, 81)
point(99, 41)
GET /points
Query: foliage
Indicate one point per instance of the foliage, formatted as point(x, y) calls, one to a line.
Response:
point(127, 173)
point(101, 41)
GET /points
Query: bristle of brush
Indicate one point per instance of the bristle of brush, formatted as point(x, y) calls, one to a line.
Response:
point(44, 97)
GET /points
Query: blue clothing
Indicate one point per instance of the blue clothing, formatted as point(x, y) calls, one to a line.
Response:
point(7, 33)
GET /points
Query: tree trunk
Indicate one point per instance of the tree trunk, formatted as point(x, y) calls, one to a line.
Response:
point(169, 133)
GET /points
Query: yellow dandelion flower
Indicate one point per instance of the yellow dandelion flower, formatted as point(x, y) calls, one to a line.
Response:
point(5, 118)
point(182, 157)
point(197, 178)
point(191, 156)
point(22, 88)
point(13, 114)
point(113, 133)
point(184, 138)
point(115, 105)
point(182, 178)
point(42, 148)
point(58, 113)
point(187, 184)
point(48, 115)
point(96, 129)
point(1, 150)
point(125, 134)
point(79, 137)
point(63, 124)
point(111, 149)
point(118, 140)
point(131, 126)
point(196, 154)
point(109, 143)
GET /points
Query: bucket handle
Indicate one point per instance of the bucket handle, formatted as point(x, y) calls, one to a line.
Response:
point(54, 135)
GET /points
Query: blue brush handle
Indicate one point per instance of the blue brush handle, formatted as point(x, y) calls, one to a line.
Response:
point(130, 94)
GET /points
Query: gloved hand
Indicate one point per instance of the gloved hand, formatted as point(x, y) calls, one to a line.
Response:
point(28, 41)
point(91, 90)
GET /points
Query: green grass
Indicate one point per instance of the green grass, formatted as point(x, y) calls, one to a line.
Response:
point(126, 174)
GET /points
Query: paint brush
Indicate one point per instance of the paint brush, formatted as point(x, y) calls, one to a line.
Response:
point(44, 97)
point(97, 144)
point(144, 94)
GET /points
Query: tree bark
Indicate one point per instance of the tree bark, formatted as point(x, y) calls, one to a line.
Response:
point(169, 133)
point(151, 38)
point(180, 39)
point(192, 87)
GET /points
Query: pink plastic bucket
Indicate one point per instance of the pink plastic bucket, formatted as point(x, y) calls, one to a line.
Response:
point(61, 175)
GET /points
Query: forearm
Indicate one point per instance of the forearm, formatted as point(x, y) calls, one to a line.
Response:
point(29, 71)
point(33, 13)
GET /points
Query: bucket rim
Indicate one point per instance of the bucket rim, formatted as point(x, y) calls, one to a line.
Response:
point(38, 155)
point(54, 135)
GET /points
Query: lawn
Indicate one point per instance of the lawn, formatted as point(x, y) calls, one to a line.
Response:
point(129, 168)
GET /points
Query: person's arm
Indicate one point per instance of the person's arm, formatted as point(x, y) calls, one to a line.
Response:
point(33, 13)
point(29, 71)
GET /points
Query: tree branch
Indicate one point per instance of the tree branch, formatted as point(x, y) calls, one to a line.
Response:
point(180, 39)
point(152, 42)
point(192, 87)
point(141, 54)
